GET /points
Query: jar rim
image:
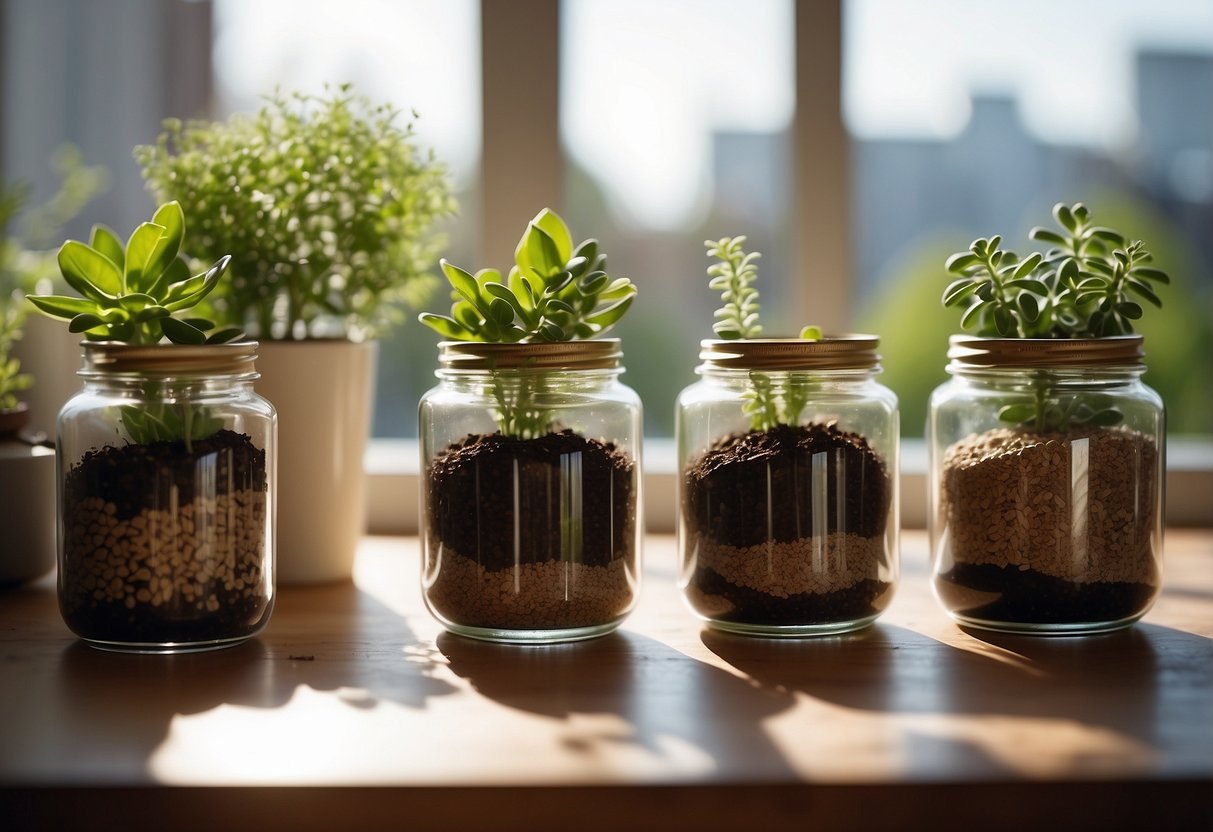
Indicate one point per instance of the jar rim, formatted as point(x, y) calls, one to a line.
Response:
point(1109, 351)
point(553, 356)
point(848, 351)
point(113, 358)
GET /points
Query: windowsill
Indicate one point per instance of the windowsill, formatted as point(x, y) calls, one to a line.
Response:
point(393, 468)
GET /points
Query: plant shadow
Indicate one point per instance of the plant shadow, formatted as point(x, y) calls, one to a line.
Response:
point(1139, 682)
point(660, 694)
point(116, 703)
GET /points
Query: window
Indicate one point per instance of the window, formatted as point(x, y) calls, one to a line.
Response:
point(675, 120)
point(959, 130)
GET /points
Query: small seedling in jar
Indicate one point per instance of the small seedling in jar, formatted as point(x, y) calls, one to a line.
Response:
point(768, 403)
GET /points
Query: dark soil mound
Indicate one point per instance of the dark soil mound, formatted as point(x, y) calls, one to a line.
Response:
point(500, 500)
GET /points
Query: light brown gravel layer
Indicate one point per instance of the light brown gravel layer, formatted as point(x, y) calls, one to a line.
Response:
point(796, 567)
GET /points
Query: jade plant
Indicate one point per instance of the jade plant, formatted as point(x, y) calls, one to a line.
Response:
point(325, 204)
point(1089, 284)
point(555, 291)
point(140, 293)
point(768, 402)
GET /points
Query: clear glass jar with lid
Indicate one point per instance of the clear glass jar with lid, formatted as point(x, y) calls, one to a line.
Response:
point(530, 503)
point(1046, 484)
point(788, 455)
point(166, 498)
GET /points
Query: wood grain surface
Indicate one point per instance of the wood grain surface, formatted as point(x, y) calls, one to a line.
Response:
point(355, 692)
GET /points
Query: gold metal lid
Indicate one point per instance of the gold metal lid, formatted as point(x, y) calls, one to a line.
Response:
point(472, 356)
point(112, 358)
point(1113, 351)
point(833, 352)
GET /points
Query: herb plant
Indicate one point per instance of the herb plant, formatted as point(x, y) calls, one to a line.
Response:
point(1089, 284)
point(12, 380)
point(768, 402)
point(133, 294)
point(555, 291)
point(325, 204)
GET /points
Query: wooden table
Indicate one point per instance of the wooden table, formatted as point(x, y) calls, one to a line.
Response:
point(355, 692)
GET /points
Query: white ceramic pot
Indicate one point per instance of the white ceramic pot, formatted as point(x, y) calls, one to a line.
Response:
point(27, 508)
point(323, 392)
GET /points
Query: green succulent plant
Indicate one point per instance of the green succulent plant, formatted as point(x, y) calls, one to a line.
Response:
point(133, 293)
point(1089, 284)
point(325, 203)
point(555, 291)
point(769, 401)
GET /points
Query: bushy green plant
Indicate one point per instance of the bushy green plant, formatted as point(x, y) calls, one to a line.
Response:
point(555, 291)
point(325, 204)
point(1089, 284)
point(12, 380)
point(133, 293)
point(768, 402)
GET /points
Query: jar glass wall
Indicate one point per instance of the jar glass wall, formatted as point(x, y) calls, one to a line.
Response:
point(166, 498)
point(530, 504)
point(788, 462)
point(1047, 461)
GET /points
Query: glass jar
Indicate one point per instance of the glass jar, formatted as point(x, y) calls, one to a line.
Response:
point(530, 502)
point(166, 498)
point(788, 454)
point(1047, 470)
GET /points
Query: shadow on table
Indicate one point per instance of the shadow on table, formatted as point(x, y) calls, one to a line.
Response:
point(661, 695)
point(122, 703)
point(1144, 682)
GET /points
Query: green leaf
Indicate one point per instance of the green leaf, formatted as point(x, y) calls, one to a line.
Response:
point(557, 232)
point(1107, 235)
point(550, 331)
point(1036, 287)
point(1026, 267)
point(209, 280)
point(445, 326)
point(1065, 217)
point(225, 335)
point(1029, 307)
point(85, 322)
point(1129, 309)
point(1157, 275)
point(1004, 322)
point(502, 311)
point(140, 252)
point(1017, 413)
point(1048, 236)
point(609, 316)
point(462, 282)
point(957, 263)
point(107, 243)
point(726, 330)
point(179, 332)
point(542, 253)
point(62, 306)
point(958, 290)
point(811, 333)
point(171, 218)
point(89, 272)
point(972, 314)
point(593, 283)
point(1144, 291)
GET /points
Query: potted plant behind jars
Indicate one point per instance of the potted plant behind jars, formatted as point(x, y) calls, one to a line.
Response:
point(788, 456)
point(1046, 447)
point(530, 448)
point(166, 456)
point(327, 208)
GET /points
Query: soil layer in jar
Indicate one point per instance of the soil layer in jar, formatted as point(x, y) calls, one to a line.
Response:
point(531, 533)
point(1050, 528)
point(787, 527)
point(166, 545)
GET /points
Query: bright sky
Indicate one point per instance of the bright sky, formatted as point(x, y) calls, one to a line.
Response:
point(647, 82)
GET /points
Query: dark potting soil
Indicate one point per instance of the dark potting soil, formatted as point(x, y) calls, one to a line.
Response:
point(745, 605)
point(165, 545)
point(751, 488)
point(478, 489)
point(1027, 596)
point(727, 488)
point(137, 477)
